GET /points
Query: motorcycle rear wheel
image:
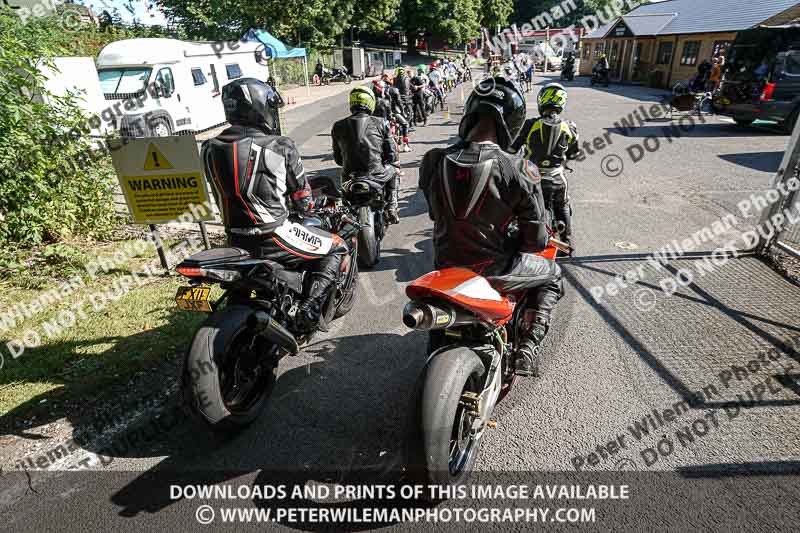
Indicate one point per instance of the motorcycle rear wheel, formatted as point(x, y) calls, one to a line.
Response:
point(228, 375)
point(369, 247)
point(449, 448)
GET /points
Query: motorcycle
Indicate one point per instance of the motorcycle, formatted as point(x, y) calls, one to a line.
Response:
point(230, 369)
point(365, 199)
point(474, 331)
point(568, 71)
point(600, 77)
point(324, 76)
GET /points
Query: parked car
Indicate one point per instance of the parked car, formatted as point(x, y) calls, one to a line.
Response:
point(762, 77)
point(178, 83)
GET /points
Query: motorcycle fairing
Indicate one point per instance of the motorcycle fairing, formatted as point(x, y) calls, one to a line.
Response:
point(466, 289)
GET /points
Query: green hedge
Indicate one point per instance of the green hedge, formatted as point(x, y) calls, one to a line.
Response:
point(45, 194)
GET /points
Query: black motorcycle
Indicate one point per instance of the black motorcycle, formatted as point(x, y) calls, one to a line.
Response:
point(600, 77)
point(365, 199)
point(230, 369)
point(324, 76)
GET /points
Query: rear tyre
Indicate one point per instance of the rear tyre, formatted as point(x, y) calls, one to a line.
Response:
point(788, 125)
point(449, 448)
point(369, 247)
point(346, 300)
point(228, 375)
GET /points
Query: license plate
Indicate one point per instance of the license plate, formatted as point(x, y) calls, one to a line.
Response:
point(194, 299)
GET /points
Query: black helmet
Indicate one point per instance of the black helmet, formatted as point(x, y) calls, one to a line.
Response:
point(503, 100)
point(251, 102)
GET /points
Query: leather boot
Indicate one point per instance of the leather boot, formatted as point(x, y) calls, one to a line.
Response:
point(528, 357)
point(310, 311)
point(391, 210)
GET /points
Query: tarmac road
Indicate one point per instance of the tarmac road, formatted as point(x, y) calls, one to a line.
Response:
point(340, 412)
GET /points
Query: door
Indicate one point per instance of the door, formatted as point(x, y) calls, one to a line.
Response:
point(173, 115)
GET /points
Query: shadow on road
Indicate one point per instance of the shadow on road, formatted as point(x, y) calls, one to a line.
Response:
point(761, 161)
point(342, 418)
point(704, 329)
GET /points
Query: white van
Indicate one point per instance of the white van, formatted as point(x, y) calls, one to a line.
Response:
point(160, 87)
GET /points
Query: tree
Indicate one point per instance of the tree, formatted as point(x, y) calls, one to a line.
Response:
point(495, 13)
point(454, 21)
point(297, 21)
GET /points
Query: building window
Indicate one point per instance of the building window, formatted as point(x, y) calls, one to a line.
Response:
point(598, 50)
point(721, 48)
point(198, 77)
point(233, 71)
point(664, 53)
point(690, 52)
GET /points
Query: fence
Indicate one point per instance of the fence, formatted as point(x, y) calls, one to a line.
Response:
point(786, 237)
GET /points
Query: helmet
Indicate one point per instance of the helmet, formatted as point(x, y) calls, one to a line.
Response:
point(400, 72)
point(503, 100)
point(251, 102)
point(378, 87)
point(552, 96)
point(422, 69)
point(385, 77)
point(362, 99)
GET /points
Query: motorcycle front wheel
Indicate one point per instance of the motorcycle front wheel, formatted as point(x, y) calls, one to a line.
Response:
point(228, 373)
point(450, 449)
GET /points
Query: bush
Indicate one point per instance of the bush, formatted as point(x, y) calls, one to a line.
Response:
point(51, 187)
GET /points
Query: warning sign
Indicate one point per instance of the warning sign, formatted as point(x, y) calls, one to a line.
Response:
point(162, 179)
point(156, 160)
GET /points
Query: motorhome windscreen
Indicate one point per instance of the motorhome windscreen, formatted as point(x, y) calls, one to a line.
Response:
point(116, 82)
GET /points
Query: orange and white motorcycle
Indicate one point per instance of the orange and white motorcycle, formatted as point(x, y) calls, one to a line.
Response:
point(474, 331)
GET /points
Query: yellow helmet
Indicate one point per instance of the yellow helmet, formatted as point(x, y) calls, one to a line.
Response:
point(362, 99)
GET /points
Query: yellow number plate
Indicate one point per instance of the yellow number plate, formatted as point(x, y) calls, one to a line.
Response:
point(194, 299)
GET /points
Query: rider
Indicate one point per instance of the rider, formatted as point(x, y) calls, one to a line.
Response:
point(397, 109)
point(420, 84)
point(488, 210)
point(255, 174)
point(383, 107)
point(362, 145)
point(550, 142)
point(403, 85)
point(601, 67)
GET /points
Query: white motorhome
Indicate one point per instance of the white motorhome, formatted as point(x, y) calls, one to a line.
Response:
point(159, 87)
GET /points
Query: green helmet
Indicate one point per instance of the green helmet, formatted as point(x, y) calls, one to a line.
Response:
point(552, 96)
point(362, 99)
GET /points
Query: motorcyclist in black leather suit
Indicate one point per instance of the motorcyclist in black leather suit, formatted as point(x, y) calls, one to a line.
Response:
point(362, 146)
point(477, 192)
point(398, 111)
point(254, 174)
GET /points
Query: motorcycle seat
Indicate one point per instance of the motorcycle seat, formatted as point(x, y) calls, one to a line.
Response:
point(330, 186)
point(216, 257)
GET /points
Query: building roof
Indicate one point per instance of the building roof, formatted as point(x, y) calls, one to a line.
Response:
point(673, 17)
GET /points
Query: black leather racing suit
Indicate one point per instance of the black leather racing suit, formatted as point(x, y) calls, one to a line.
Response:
point(362, 146)
point(420, 85)
point(398, 110)
point(476, 193)
point(254, 175)
point(549, 142)
point(403, 85)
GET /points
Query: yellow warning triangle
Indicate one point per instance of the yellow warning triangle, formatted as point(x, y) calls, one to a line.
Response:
point(155, 160)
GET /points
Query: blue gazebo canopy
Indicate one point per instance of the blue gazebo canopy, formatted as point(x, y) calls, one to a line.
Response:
point(276, 48)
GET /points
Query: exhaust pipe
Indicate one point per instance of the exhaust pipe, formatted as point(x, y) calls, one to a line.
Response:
point(263, 324)
point(422, 316)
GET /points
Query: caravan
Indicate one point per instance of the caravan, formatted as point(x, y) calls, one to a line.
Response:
point(160, 87)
